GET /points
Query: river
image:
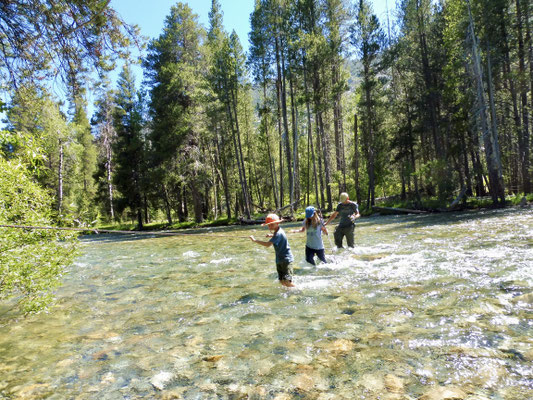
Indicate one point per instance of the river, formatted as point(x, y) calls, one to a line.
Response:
point(424, 306)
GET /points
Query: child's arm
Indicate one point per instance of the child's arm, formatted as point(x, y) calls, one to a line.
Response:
point(262, 243)
point(324, 229)
point(298, 230)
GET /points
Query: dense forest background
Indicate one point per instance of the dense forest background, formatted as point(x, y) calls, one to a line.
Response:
point(436, 103)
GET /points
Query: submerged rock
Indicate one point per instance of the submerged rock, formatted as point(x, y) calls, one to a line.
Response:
point(341, 346)
point(369, 257)
point(161, 380)
point(328, 396)
point(444, 393)
point(394, 384)
point(140, 385)
point(372, 383)
point(212, 358)
point(175, 394)
point(303, 382)
point(238, 391)
point(302, 359)
point(524, 298)
point(108, 379)
point(37, 391)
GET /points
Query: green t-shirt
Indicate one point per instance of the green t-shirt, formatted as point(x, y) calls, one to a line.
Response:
point(345, 210)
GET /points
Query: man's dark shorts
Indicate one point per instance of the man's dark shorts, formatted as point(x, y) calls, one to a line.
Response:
point(284, 271)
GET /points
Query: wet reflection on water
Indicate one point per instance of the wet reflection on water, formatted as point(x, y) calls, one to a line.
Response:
point(425, 306)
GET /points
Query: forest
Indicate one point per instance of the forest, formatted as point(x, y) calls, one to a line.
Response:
point(434, 103)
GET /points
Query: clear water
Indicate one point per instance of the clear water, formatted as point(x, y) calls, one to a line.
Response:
point(422, 304)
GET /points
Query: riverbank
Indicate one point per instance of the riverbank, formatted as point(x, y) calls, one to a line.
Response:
point(430, 205)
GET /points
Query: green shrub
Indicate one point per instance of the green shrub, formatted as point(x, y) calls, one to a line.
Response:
point(31, 261)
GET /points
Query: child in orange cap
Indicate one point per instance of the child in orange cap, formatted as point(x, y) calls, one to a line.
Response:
point(284, 256)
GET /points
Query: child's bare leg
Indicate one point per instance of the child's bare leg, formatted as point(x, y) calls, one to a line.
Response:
point(286, 283)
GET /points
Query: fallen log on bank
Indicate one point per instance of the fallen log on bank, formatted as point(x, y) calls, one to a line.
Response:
point(393, 210)
point(455, 203)
point(246, 221)
point(277, 210)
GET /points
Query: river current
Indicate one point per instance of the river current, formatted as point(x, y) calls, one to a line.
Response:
point(425, 307)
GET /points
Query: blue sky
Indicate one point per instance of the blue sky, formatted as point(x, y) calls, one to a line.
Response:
point(150, 15)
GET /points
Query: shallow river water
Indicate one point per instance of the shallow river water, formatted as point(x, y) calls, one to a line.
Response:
point(425, 307)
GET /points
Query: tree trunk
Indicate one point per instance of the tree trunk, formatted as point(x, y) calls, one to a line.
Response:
point(428, 80)
point(109, 179)
point(139, 218)
point(356, 159)
point(166, 200)
point(280, 130)
point(60, 179)
point(271, 162)
point(369, 136)
point(412, 156)
point(323, 145)
point(231, 108)
point(494, 131)
point(529, 40)
point(197, 202)
point(327, 168)
point(280, 63)
point(491, 153)
point(310, 131)
point(146, 215)
point(524, 140)
point(296, 167)
point(220, 156)
point(514, 98)
point(339, 130)
point(319, 155)
point(182, 203)
point(466, 168)
point(245, 192)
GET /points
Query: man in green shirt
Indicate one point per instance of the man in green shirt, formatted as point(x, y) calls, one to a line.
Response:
point(349, 212)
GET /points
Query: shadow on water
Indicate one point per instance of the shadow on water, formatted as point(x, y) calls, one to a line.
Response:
point(114, 237)
point(222, 232)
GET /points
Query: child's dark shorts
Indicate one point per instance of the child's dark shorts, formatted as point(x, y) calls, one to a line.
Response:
point(284, 271)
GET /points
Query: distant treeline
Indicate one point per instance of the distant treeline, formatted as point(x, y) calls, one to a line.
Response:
point(435, 102)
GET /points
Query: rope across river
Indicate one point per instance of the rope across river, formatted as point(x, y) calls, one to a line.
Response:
point(97, 231)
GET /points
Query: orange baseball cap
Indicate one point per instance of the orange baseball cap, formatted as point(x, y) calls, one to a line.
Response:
point(271, 219)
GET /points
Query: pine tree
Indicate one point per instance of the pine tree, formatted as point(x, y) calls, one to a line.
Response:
point(128, 148)
point(369, 37)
